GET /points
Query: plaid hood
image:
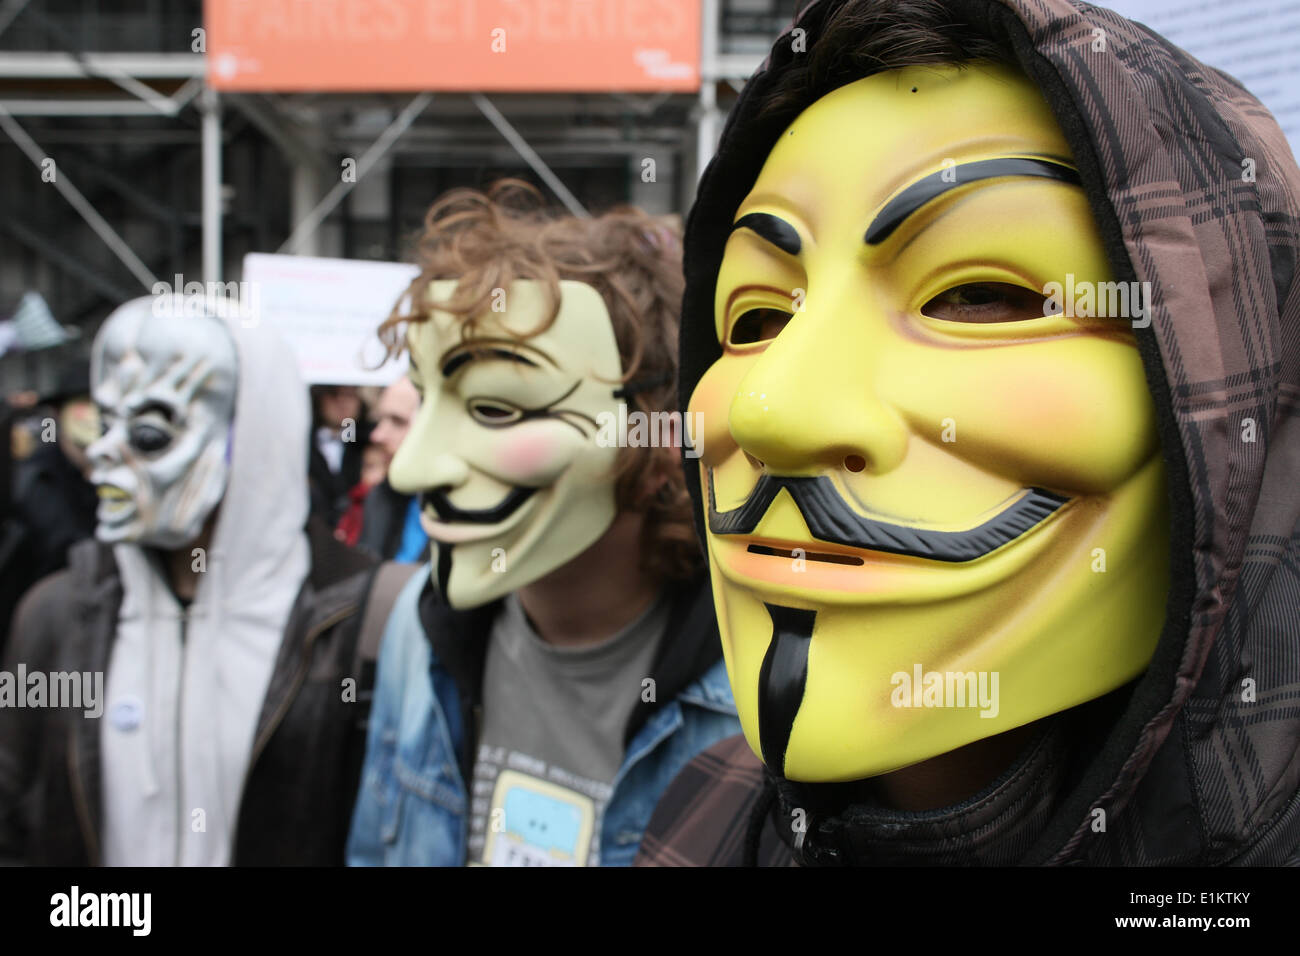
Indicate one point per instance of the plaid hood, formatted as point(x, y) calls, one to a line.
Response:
point(1202, 763)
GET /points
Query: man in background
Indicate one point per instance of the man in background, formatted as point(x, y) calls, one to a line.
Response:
point(53, 504)
point(390, 525)
point(339, 435)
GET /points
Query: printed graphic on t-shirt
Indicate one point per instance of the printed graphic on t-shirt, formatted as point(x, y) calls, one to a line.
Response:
point(537, 823)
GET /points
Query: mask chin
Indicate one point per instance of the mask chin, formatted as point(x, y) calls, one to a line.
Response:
point(563, 522)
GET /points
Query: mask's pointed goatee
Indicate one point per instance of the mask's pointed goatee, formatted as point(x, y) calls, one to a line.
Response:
point(781, 681)
point(443, 568)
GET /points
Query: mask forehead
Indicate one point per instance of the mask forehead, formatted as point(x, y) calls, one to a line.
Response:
point(580, 342)
point(167, 357)
point(832, 167)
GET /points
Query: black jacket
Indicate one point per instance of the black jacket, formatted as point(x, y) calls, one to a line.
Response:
point(329, 490)
point(53, 507)
point(383, 520)
point(57, 504)
point(309, 742)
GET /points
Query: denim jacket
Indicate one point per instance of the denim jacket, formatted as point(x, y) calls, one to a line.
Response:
point(412, 808)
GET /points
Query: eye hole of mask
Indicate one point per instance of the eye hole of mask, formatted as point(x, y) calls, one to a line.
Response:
point(986, 302)
point(489, 411)
point(758, 325)
point(148, 438)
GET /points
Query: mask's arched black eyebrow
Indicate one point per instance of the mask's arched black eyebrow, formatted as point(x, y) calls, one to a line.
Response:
point(772, 228)
point(468, 354)
point(936, 184)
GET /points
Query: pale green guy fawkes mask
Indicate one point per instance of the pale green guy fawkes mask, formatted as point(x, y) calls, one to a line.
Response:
point(503, 453)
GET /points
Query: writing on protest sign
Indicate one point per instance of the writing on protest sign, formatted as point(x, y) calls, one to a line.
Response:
point(329, 311)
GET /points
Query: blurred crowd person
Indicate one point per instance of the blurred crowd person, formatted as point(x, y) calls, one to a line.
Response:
point(220, 621)
point(390, 525)
point(557, 662)
point(48, 501)
point(340, 432)
point(374, 467)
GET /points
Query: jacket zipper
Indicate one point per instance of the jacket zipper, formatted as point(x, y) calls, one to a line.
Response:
point(180, 727)
point(300, 676)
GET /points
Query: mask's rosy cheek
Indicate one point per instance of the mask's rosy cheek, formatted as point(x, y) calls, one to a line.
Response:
point(1073, 414)
point(533, 454)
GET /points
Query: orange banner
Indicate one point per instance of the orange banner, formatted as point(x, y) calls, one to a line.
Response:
point(453, 45)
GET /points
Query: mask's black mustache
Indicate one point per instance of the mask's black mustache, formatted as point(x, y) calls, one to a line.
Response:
point(829, 518)
point(449, 513)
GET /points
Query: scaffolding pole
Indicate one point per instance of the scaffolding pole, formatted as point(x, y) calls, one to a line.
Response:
point(706, 130)
point(78, 202)
point(367, 159)
point(529, 155)
point(211, 173)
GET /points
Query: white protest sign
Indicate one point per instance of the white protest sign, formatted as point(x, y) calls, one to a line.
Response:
point(329, 311)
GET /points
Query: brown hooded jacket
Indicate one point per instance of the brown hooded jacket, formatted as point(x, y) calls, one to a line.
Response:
point(1196, 192)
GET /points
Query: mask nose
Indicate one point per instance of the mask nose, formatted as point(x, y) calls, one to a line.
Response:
point(410, 475)
point(809, 403)
point(415, 467)
point(105, 451)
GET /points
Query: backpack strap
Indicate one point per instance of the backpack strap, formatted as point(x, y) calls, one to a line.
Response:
point(390, 577)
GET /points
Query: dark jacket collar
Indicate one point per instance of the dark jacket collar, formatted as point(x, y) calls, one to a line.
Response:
point(995, 827)
point(689, 647)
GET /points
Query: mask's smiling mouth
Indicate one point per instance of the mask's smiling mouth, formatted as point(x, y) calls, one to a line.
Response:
point(450, 514)
point(796, 552)
point(446, 523)
point(112, 493)
point(113, 502)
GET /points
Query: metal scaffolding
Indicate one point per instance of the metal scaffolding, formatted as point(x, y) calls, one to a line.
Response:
point(156, 115)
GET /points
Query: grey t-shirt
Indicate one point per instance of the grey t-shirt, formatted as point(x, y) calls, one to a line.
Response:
point(552, 739)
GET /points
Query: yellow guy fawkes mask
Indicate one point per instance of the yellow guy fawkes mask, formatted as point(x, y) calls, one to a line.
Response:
point(935, 513)
point(503, 452)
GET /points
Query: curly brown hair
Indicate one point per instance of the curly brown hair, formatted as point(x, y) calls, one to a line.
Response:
point(488, 239)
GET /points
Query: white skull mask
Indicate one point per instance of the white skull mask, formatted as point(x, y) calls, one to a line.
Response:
point(164, 380)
